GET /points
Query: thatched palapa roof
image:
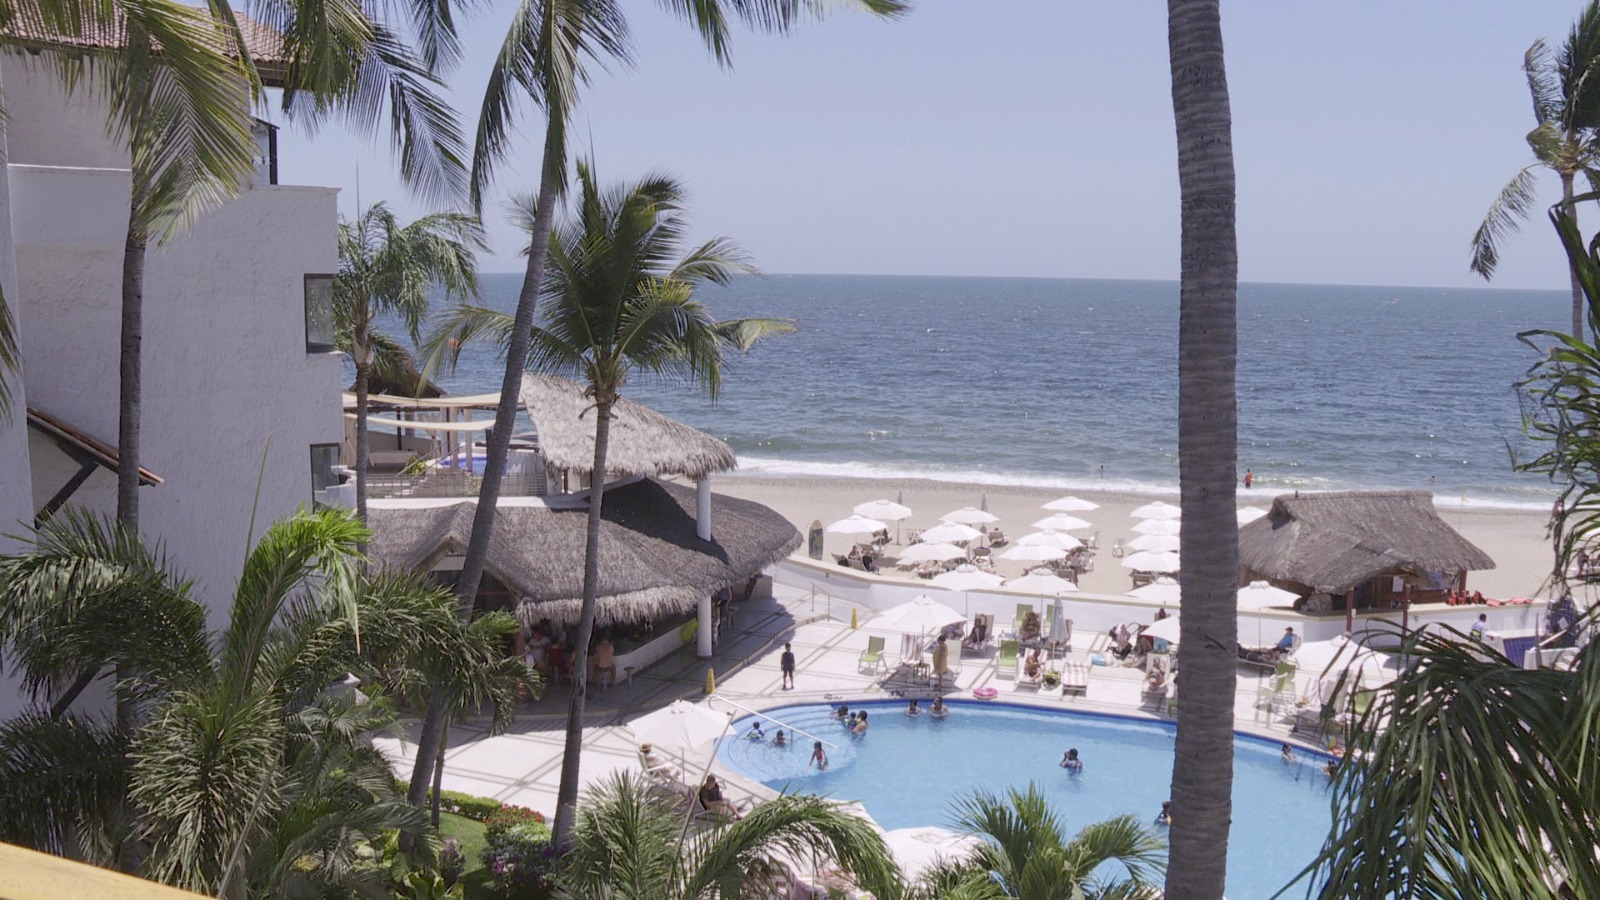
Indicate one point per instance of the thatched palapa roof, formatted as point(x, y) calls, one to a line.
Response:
point(652, 562)
point(1335, 541)
point(643, 441)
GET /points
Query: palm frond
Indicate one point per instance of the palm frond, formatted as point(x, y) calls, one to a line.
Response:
point(1543, 83)
point(710, 17)
point(61, 781)
point(1510, 207)
point(9, 358)
point(1575, 66)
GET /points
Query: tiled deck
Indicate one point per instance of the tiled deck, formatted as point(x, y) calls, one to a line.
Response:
point(523, 766)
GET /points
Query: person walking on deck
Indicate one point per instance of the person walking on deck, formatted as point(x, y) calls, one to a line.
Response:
point(786, 663)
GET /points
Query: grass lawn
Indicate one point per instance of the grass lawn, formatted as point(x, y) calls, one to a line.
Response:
point(469, 835)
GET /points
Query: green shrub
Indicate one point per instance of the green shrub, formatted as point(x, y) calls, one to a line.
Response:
point(508, 816)
point(519, 856)
point(479, 808)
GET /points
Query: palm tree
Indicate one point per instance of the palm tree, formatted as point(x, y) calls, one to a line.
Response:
point(1202, 778)
point(389, 268)
point(1025, 854)
point(543, 56)
point(1566, 108)
point(618, 304)
point(630, 843)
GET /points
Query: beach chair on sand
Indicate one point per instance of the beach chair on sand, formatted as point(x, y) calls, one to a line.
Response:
point(988, 634)
point(1006, 661)
point(872, 657)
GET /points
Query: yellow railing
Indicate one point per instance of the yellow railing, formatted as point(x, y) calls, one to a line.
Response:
point(29, 875)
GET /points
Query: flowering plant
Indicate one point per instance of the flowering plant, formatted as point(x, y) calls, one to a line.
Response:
point(519, 857)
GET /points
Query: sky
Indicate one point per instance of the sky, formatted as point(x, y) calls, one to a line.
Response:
point(1035, 138)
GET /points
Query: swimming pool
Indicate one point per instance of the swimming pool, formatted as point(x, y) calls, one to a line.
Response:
point(907, 771)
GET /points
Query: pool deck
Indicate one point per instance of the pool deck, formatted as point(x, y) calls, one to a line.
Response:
point(523, 765)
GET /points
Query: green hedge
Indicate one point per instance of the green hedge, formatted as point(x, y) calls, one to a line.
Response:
point(476, 808)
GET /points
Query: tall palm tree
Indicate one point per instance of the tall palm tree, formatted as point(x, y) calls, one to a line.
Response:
point(1025, 854)
point(629, 844)
point(389, 268)
point(1202, 777)
point(1470, 777)
point(618, 303)
point(1565, 86)
point(543, 56)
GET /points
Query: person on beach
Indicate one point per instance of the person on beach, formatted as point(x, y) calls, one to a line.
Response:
point(861, 724)
point(1071, 762)
point(912, 709)
point(941, 662)
point(1249, 479)
point(819, 757)
point(786, 663)
point(1479, 627)
point(938, 710)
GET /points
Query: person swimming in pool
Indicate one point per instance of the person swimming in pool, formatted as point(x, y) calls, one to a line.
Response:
point(1071, 762)
point(912, 709)
point(819, 757)
point(938, 709)
point(861, 724)
point(778, 740)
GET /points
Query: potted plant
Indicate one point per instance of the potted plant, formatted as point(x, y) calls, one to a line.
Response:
point(1051, 679)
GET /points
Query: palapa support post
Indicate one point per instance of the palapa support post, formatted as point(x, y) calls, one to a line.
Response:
point(711, 680)
point(853, 623)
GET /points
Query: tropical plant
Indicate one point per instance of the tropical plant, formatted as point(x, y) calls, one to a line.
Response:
point(1565, 86)
point(543, 56)
point(631, 844)
point(389, 268)
point(616, 303)
point(1025, 853)
point(1202, 777)
point(519, 856)
point(1469, 776)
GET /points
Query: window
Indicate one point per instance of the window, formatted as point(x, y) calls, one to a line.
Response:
point(319, 313)
point(325, 476)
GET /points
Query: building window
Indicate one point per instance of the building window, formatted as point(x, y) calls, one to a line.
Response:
point(319, 313)
point(325, 476)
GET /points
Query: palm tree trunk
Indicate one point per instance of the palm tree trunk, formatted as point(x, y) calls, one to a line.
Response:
point(550, 191)
point(1202, 778)
point(567, 791)
point(428, 742)
point(361, 343)
point(438, 773)
point(129, 407)
point(1578, 305)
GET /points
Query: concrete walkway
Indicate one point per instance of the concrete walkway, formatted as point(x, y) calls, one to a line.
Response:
point(523, 766)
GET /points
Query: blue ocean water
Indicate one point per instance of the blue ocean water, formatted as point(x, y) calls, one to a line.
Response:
point(1072, 383)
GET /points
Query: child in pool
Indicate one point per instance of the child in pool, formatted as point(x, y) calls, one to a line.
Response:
point(912, 709)
point(819, 757)
point(778, 740)
point(938, 710)
point(861, 724)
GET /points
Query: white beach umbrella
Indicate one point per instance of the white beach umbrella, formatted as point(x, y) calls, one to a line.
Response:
point(968, 515)
point(1157, 510)
point(1061, 522)
point(1248, 514)
point(1261, 595)
point(857, 525)
point(1167, 542)
point(951, 531)
point(1162, 590)
point(1151, 561)
point(1034, 553)
point(1317, 656)
point(887, 510)
point(920, 614)
point(1050, 538)
point(917, 850)
point(1162, 630)
point(1158, 526)
point(680, 725)
point(935, 551)
point(1070, 503)
point(1042, 583)
point(966, 578)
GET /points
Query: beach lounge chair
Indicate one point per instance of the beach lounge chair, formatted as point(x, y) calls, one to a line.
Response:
point(997, 538)
point(872, 657)
point(1006, 661)
point(1075, 680)
point(1022, 613)
point(988, 634)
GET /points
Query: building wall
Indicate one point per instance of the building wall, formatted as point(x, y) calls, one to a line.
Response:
point(16, 493)
point(230, 394)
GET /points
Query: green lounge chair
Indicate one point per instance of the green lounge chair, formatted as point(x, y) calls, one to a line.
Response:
point(1022, 613)
point(872, 657)
point(1361, 701)
point(1007, 660)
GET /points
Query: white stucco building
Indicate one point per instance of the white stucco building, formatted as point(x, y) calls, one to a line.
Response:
point(235, 387)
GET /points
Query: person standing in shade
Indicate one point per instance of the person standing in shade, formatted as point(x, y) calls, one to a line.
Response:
point(941, 661)
point(1479, 627)
point(786, 663)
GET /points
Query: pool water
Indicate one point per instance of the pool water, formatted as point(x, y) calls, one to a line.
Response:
point(908, 771)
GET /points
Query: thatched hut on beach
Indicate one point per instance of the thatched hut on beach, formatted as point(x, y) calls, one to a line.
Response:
point(1358, 549)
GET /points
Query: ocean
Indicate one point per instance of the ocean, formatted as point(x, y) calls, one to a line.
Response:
point(1072, 383)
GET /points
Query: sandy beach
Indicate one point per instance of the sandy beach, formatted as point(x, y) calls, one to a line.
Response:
point(1513, 538)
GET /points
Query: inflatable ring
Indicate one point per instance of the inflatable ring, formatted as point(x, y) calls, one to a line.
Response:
point(985, 693)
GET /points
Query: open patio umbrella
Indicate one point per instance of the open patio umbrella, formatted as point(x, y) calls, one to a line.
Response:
point(680, 725)
point(1157, 510)
point(1050, 538)
point(968, 515)
point(1044, 584)
point(917, 850)
point(1070, 503)
point(920, 614)
point(1162, 630)
point(1034, 553)
point(952, 532)
point(1166, 542)
point(1151, 561)
point(1261, 595)
point(1162, 590)
point(1248, 514)
point(887, 510)
point(1158, 526)
point(1061, 522)
point(966, 578)
point(856, 524)
point(1318, 656)
point(935, 551)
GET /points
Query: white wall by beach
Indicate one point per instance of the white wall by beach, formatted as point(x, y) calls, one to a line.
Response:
point(230, 392)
